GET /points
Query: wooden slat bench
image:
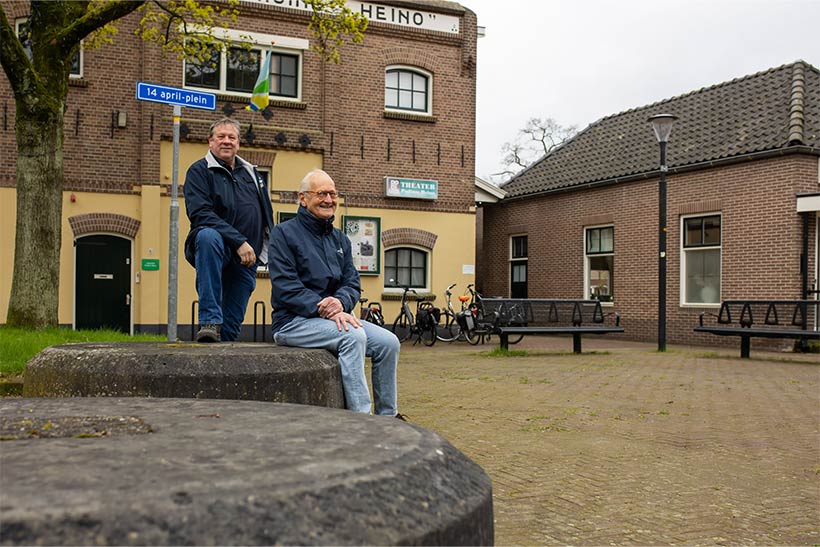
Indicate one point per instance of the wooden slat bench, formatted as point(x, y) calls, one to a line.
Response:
point(511, 316)
point(762, 319)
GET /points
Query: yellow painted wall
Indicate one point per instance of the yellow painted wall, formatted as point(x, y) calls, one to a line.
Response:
point(8, 218)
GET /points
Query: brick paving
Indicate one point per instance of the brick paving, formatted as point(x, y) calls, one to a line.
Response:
point(625, 446)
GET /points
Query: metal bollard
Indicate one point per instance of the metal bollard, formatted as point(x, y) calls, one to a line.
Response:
point(255, 309)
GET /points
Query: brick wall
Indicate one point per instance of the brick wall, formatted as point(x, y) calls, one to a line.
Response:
point(761, 247)
point(342, 109)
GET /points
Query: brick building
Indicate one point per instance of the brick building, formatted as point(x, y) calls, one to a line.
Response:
point(393, 123)
point(743, 202)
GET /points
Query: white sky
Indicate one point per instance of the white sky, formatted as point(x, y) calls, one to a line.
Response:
point(579, 60)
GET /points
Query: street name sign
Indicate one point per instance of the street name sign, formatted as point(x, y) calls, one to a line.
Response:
point(175, 96)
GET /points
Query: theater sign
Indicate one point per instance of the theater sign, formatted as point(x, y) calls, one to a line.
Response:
point(410, 188)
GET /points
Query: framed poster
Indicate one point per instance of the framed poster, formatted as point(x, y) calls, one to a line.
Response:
point(365, 238)
point(283, 216)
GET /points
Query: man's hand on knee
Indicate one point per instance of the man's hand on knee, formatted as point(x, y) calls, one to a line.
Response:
point(329, 307)
point(343, 319)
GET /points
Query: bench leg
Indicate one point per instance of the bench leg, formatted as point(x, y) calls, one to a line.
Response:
point(745, 344)
point(576, 342)
point(504, 343)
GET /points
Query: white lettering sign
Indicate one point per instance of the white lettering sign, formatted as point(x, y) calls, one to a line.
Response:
point(391, 15)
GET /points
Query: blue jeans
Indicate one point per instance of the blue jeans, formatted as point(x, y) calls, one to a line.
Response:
point(223, 284)
point(352, 345)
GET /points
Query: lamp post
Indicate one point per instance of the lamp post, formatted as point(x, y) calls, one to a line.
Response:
point(662, 124)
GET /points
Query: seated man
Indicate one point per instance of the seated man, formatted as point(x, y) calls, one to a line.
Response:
point(314, 288)
point(231, 217)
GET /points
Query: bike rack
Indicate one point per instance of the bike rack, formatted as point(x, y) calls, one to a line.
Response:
point(194, 305)
point(255, 308)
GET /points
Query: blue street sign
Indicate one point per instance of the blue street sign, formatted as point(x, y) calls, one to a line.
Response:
point(175, 95)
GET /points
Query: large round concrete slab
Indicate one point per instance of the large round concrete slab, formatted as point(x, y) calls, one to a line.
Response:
point(134, 471)
point(260, 372)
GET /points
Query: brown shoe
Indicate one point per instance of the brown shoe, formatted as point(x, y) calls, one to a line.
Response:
point(401, 417)
point(208, 334)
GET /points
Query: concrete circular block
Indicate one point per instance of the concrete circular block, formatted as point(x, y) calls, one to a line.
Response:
point(260, 372)
point(137, 471)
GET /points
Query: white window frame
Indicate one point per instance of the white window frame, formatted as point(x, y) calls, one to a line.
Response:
point(420, 71)
point(74, 76)
point(683, 255)
point(427, 273)
point(262, 43)
point(514, 261)
point(587, 269)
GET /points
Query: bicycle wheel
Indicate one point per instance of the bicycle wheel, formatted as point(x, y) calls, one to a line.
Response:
point(449, 331)
point(427, 334)
point(514, 339)
point(474, 337)
point(401, 327)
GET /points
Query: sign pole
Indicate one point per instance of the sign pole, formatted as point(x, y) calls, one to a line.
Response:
point(173, 240)
point(177, 97)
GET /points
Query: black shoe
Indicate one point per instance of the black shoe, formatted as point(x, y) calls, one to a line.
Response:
point(401, 417)
point(208, 334)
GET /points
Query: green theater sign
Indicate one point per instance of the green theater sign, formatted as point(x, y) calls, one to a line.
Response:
point(410, 188)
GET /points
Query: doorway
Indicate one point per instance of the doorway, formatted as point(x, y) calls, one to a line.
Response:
point(102, 283)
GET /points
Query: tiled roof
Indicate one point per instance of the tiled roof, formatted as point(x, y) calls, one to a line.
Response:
point(770, 110)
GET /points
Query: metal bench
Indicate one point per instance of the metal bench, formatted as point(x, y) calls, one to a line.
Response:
point(763, 319)
point(511, 316)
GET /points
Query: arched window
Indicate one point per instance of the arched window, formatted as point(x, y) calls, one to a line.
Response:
point(405, 266)
point(408, 89)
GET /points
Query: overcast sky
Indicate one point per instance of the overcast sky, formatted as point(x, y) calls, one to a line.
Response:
point(579, 60)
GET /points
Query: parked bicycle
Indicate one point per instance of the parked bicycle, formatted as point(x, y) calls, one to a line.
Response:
point(483, 324)
point(424, 324)
point(372, 312)
point(451, 330)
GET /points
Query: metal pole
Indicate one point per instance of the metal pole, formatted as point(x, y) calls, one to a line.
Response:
point(173, 239)
point(662, 252)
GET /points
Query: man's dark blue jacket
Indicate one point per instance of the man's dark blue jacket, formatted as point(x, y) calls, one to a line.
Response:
point(309, 260)
point(210, 202)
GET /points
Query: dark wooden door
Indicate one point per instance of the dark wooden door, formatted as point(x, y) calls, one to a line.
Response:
point(103, 283)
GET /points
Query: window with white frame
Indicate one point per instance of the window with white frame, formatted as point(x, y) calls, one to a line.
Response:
point(22, 29)
point(234, 69)
point(408, 89)
point(405, 267)
point(700, 268)
point(519, 255)
point(600, 263)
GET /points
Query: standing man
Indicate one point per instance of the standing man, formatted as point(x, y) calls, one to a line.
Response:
point(231, 218)
point(314, 288)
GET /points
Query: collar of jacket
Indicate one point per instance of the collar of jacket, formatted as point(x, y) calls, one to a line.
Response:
point(212, 162)
point(315, 225)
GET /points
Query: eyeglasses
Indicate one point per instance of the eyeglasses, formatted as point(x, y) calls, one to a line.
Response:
point(322, 195)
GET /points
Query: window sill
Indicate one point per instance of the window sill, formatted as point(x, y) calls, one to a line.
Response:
point(714, 306)
point(276, 103)
point(77, 82)
point(408, 116)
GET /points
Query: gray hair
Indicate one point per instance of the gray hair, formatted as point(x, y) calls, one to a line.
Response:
point(305, 185)
point(224, 121)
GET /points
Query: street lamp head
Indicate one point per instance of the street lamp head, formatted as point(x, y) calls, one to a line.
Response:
point(662, 124)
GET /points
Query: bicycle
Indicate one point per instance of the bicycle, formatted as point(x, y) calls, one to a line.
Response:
point(452, 330)
point(372, 313)
point(485, 325)
point(424, 324)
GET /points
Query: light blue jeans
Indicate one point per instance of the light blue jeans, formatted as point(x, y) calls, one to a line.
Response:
point(352, 345)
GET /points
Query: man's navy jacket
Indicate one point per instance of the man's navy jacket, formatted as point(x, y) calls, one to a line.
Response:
point(309, 260)
point(210, 202)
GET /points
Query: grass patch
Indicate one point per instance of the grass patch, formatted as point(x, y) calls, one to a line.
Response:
point(18, 346)
point(498, 352)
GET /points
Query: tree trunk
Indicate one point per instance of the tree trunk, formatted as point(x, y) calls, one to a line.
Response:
point(34, 289)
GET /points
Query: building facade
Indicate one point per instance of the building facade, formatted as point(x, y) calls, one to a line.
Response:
point(393, 124)
point(742, 208)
